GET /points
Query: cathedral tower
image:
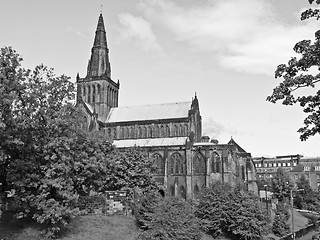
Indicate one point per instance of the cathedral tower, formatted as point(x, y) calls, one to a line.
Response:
point(97, 88)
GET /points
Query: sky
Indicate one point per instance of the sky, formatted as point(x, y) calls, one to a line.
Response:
point(162, 51)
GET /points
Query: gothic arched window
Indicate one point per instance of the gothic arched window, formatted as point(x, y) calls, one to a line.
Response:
point(149, 131)
point(93, 93)
point(199, 164)
point(177, 165)
point(114, 133)
point(121, 133)
point(139, 132)
point(144, 134)
point(158, 163)
point(216, 163)
point(181, 130)
point(176, 130)
point(156, 131)
point(84, 91)
point(167, 131)
point(99, 89)
point(162, 133)
point(89, 94)
point(182, 192)
point(185, 130)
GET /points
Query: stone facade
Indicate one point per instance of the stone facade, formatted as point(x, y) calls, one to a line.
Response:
point(171, 133)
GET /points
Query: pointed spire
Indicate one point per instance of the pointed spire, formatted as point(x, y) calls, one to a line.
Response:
point(99, 64)
point(100, 38)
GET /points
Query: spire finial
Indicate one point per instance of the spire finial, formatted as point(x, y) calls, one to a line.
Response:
point(101, 6)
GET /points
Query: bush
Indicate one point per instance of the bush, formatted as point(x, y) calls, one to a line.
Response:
point(224, 210)
point(280, 226)
point(167, 219)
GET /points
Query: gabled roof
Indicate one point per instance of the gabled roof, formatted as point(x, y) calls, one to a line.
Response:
point(232, 142)
point(149, 112)
point(151, 142)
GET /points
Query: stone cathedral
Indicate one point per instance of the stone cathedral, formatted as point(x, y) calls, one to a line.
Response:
point(185, 161)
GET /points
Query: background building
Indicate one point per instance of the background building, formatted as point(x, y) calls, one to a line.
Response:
point(294, 165)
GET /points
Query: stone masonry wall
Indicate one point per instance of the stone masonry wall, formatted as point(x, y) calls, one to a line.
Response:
point(113, 202)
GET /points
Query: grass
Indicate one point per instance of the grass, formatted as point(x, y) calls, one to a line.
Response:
point(92, 227)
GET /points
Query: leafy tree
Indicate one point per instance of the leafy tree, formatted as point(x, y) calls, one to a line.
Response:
point(280, 226)
point(223, 209)
point(166, 218)
point(307, 199)
point(296, 76)
point(281, 185)
point(46, 157)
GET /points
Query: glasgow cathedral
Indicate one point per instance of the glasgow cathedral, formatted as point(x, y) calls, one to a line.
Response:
point(171, 133)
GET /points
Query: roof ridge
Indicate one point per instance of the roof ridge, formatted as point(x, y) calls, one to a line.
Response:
point(156, 104)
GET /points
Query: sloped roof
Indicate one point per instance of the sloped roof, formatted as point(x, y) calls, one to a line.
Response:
point(149, 112)
point(232, 142)
point(150, 142)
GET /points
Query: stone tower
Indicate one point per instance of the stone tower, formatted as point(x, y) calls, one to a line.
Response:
point(97, 88)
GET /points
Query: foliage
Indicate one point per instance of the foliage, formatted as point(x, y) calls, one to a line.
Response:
point(166, 218)
point(280, 226)
point(223, 209)
point(307, 199)
point(262, 184)
point(46, 157)
point(296, 76)
point(281, 185)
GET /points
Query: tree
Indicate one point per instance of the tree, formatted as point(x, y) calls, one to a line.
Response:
point(46, 157)
point(307, 198)
point(296, 76)
point(281, 185)
point(280, 226)
point(166, 218)
point(223, 209)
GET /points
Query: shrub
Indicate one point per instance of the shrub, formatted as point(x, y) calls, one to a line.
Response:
point(225, 210)
point(167, 219)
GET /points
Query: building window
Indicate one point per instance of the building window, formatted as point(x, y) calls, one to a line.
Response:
point(156, 131)
point(306, 168)
point(93, 94)
point(89, 94)
point(199, 164)
point(158, 163)
point(216, 163)
point(167, 131)
point(317, 168)
point(176, 130)
point(162, 133)
point(182, 192)
point(177, 165)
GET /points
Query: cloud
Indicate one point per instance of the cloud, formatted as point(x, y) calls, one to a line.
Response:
point(78, 33)
point(215, 129)
point(246, 36)
point(137, 30)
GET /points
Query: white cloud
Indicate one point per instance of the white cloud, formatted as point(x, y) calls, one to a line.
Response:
point(138, 30)
point(215, 129)
point(246, 36)
point(78, 33)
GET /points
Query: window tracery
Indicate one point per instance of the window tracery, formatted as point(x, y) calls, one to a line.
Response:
point(177, 165)
point(158, 163)
point(199, 164)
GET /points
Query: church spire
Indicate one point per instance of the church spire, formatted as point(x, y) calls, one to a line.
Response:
point(99, 64)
